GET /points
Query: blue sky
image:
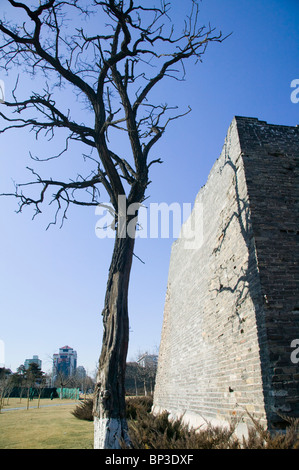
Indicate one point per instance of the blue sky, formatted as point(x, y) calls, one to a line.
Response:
point(53, 281)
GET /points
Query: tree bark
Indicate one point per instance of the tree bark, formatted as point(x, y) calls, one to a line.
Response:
point(110, 424)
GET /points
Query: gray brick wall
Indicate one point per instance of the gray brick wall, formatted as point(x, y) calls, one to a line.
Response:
point(230, 309)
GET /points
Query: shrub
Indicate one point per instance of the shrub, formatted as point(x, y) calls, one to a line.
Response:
point(84, 410)
point(160, 432)
point(259, 438)
point(134, 405)
point(137, 405)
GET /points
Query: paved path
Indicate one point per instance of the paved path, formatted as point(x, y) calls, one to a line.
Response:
point(41, 406)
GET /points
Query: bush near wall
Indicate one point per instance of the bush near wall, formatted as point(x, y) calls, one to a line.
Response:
point(159, 432)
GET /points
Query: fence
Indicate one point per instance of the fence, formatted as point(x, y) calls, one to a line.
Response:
point(72, 393)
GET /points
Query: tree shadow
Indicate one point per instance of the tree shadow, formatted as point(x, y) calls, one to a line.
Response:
point(246, 284)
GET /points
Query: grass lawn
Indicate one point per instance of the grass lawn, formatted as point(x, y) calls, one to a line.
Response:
point(47, 427)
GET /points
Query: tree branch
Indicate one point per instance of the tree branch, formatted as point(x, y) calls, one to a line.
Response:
point(112, 71)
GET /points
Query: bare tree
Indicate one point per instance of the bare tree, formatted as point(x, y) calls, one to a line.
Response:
point(83, 382)
point(20, 380)
point(40, 386)
point(112, 69)
point(5, 385)
point(63, 380)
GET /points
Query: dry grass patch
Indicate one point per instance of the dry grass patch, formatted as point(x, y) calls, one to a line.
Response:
point(52, 427)
point(10, 403)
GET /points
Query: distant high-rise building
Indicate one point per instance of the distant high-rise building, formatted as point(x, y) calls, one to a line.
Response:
point(34, 360)
point(148, 360)
point(81, 372)
point(65, 362)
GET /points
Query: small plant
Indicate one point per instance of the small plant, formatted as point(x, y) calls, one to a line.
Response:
point(84, 410)
point(260, 438)
point(136, 406)
point(160, 432)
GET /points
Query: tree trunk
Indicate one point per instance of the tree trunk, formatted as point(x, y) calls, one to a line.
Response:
point(110, 424)
point(28, 399)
